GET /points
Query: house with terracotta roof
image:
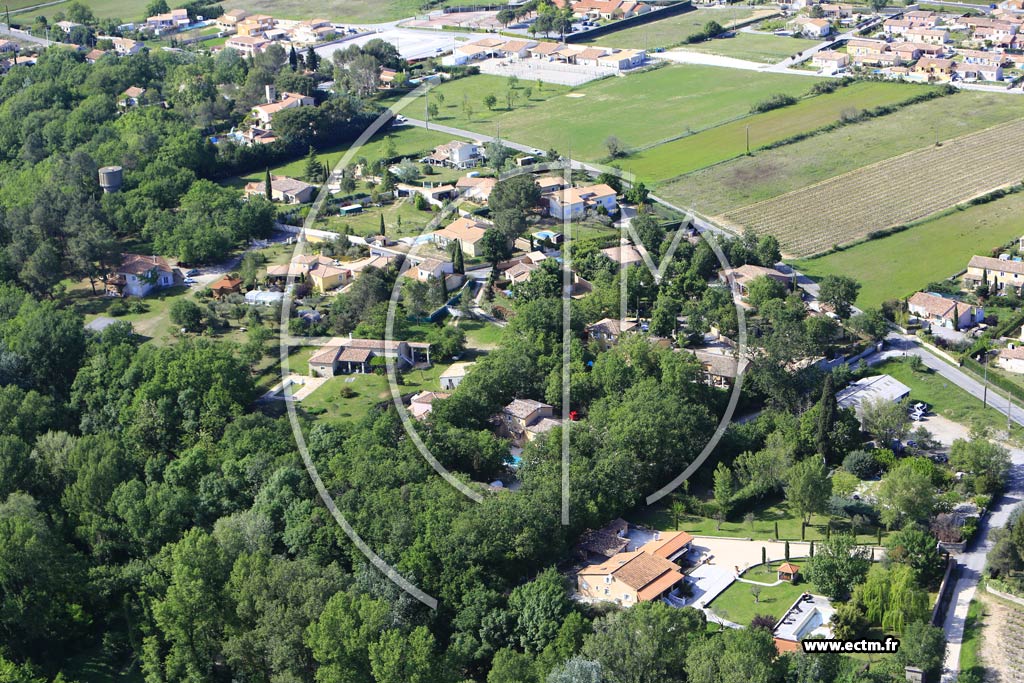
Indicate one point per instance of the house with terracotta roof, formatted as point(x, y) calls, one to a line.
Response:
point(932, 36)
point(91, 57)
point(747, 273)
point(573, 202)
point(229, 20)
point(623, 59)
point(719, 364)
point(830, 60)
point(264, 113)
point(629, 578)
point(943, 312)
point(247, 46)
point(131, 97)
point(422, 404)
point(466, 231)
point(138, 275)
point(455, 154)
point(608, 331)
point(1011, 359)
point(811, 28)
point(284, 189)
point(524, 419)
point(168, 21)
point(476, 187)
point(224, 286)
point(626, 254)
point(933, 70)
point(346, 355)
point(255, 25)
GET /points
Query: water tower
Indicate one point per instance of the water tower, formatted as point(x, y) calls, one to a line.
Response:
point(111, 178)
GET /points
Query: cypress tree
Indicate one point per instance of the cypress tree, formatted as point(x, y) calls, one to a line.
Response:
point(382, 223)
point(268, 187)
point(827, 409)
point(458, 264)
point(776, 531)
point(293, 58)
point(787, 551)
point(312, 59)
point(764, 555)
point(443, 284)
point(812, 548)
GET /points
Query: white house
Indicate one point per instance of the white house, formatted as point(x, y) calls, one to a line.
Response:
point(454, 375)
point(454, 154)
point(138, 275)
point(574, 201)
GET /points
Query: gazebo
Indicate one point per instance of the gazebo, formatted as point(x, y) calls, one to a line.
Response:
point(788, 572)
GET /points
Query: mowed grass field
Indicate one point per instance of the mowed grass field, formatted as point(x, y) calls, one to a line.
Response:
point(639, 109)
point(729, 140)
point(354, 11)
point(673, 30)
point(407, 141)
point(755, 47)
point(898, 265)
point(771, 173)
point(893, 192)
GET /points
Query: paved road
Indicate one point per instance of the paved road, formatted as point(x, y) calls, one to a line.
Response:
point(970, 563)
point(5, 30)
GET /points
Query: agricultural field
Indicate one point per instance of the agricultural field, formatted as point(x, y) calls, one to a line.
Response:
point(355, 11)
point(674, 30)
point(755, 47)
point(897, 191)
point(407, 140)
point(940, 247)
point(770, 173)
point(640, 109)
point(729, 140)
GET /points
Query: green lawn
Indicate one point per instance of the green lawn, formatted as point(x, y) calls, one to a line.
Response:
point(900, 264)
point(671, 30)
point(370, 390)
point(755, 47)
point(763, 527)
point(767, 174)
point(407, 140)
point(480, 335)
point(730, 140)
point(972, 639)
point(153, 322)
point(368, 222)
point(639, 109)
point(946, 398)
point(355, 11)
point(737, 602)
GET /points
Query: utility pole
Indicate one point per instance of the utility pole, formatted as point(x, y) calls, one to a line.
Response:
point(7, 9)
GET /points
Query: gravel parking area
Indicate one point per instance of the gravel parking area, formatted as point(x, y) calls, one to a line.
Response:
point(549, 72)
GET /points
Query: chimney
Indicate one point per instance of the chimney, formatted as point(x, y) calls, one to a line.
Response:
point(271, 92)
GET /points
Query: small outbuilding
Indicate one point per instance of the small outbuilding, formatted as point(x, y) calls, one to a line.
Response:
point(789, 572)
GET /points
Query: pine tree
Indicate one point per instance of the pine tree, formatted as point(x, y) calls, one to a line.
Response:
point(827, 409)
point(268, 187)
point(293, 58)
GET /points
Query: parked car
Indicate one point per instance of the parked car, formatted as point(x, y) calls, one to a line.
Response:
point(190, 281)
point(192, 272)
